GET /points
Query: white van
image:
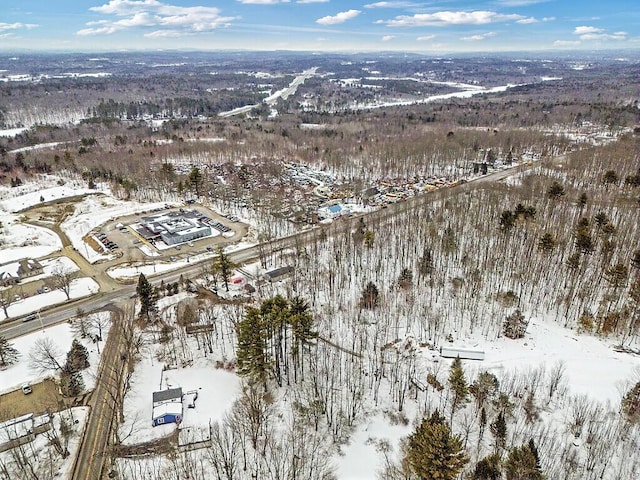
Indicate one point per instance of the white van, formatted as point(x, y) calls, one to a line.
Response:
point(26, 388)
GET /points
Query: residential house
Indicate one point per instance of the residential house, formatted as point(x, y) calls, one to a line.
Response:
point(167, 406)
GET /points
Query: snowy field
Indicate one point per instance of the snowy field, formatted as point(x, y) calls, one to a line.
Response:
point(217, 389)
point(150, 269)
point(61, 335)
point(31, 194)
point(21, 240)
point(80, 287)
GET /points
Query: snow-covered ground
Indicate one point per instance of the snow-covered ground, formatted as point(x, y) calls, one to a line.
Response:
point(61, 335)
point(360, 458)
point(22, 240)
point(150, 269)
point(80, 287)
point(33, 196)
point(12, 132)
point(217, 389)
point(41, 458)
point(586, 358)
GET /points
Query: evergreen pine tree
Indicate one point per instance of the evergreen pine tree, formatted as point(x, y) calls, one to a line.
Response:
point(77, 357)
point(556, 190)
point(252, 359)
point(488, 468)
point(522, 464)
point(145, 295)
point(515, 325)
point(370, 296)
point(546, 243)
point(224, 266)
point(582, 200)
point(71, 383)
point(271, 337)
point(369, 238)
point(499, 431)
point(195, 180)
point(432, 452)
point(458, 384)
point(8, 353)
point(631, 404)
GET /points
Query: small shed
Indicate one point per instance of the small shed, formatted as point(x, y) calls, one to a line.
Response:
point(167, 406)
point(277, 273)
point(463, 353)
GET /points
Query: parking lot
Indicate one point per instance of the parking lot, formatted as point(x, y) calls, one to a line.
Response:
point(118, 237)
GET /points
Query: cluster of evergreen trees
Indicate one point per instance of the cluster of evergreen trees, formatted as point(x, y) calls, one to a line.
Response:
point(271, 339)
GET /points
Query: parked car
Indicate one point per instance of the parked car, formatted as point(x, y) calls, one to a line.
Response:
point(26, 388)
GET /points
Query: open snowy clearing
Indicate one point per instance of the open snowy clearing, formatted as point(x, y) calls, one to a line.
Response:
point(217, 389)
point(80, 287)
point(31, 194)
point(22, 240)
point(62, 335)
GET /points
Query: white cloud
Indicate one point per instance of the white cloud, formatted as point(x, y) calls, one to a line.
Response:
point(5, 27)
point(586, 30)
point(164, 34)
point(388, 38)
point(425, 38)
point(604, 36)
point(477, 38)
point(594, 33)
point(520, 3)
point(441, 19)
point(394, 4)
point(338, 18)
point(262, 2)
point(527, 21)
point(566, 43)
point(312, 1)
point(172, 20)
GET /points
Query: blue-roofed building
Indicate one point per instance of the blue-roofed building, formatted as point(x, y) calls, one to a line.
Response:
point(332, 211)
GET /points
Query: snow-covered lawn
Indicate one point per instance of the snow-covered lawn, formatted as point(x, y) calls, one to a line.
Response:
point(21, 240)
point(217, 389)
point(80, 287)
point(61, 336)
point(593, 368)
point(32, 195)
point(150, 269)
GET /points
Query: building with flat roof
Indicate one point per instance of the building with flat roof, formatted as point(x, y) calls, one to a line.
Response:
point(173, 227)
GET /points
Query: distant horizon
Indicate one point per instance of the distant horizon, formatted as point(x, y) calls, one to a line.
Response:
point(450, 26)
point(558, 52)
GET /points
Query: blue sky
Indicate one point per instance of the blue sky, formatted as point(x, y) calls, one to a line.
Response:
point(320, 25)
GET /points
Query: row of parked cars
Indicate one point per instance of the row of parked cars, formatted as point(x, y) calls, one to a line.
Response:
point(212, 223)
point(102, 237)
